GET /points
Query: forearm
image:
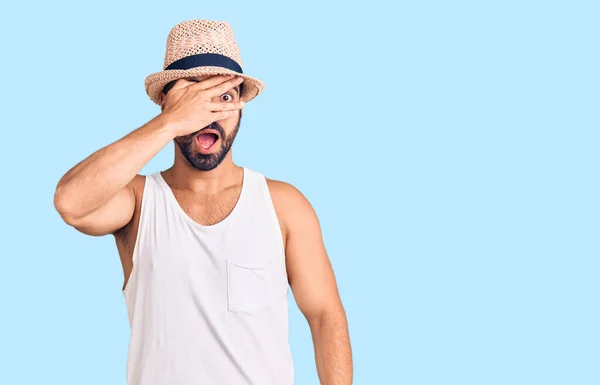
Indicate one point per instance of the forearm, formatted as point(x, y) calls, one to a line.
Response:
point(333, 353)
point(99, 177)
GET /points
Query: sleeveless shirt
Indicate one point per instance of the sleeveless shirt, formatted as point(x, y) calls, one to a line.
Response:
point(208, 305)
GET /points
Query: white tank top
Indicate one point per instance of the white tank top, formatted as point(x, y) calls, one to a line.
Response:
point(208, 305)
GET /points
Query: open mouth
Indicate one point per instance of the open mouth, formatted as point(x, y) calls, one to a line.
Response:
point(206, 140)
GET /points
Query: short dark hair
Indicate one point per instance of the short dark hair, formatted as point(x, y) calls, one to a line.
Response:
point(170, 85)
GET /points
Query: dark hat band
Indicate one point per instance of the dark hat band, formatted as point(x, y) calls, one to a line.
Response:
point(205, 60)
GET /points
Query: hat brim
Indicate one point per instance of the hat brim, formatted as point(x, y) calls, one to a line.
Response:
point(157, 81)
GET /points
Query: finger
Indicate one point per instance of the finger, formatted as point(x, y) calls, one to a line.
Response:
point(225, 106)
point(223, 87)
point(223, 115)
point(183, 83)
point(180, 83)
point(212, 81)
point(174, 92)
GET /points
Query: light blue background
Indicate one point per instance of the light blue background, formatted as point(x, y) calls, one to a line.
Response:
point(449, 148)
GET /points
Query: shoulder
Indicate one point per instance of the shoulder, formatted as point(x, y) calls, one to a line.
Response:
point(286, 195)
point(291, 205)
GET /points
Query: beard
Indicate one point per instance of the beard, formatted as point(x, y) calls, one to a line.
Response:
point(207, 162)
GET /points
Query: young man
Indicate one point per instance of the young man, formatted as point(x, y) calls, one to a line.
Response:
point(208, 248)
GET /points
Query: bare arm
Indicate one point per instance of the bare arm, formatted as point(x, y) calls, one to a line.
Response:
point(97, 196)
point(314, 285)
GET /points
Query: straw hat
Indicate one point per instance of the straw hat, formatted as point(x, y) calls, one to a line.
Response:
point(201, 47)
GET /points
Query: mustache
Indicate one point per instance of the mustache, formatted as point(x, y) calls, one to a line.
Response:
point(214, 125)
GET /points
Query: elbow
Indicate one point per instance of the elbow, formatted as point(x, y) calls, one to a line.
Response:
point(330, 316)
point(63, 205)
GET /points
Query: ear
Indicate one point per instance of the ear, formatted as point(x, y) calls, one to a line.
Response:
point(162, 100)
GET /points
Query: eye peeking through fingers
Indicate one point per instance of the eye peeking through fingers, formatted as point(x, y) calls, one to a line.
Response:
point(227, 97)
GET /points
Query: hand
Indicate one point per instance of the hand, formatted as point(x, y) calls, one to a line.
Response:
point(189, 108)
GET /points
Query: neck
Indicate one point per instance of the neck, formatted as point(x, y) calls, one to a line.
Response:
point(183, 176)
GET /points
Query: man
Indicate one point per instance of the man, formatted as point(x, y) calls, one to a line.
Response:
point(208, 248)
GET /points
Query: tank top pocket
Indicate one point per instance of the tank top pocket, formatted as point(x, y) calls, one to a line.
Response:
point(249, 288)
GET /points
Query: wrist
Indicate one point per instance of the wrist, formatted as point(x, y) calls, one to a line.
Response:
point(165, 125)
